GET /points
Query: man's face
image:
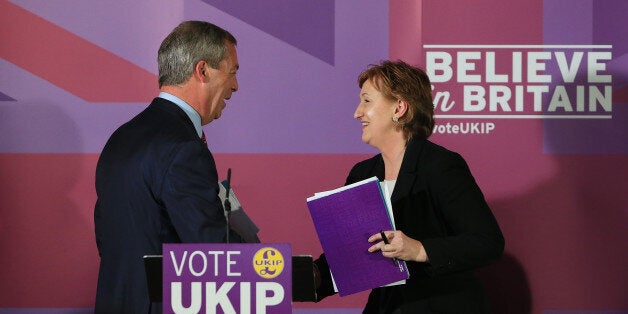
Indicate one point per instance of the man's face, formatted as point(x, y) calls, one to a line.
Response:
point(222, 83)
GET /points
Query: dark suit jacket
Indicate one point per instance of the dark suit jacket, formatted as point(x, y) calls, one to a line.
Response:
point(436, 201)
point(156, 183)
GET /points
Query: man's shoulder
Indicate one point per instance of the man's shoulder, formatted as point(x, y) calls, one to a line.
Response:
point(160, 106)
point(159, 113)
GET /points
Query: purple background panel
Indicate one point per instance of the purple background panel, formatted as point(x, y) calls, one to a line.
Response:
point(4, 97)
point(291, 102)
point(296, 100)
point(132, 30)
point(47, 119)
point(554, 195)
point(311, 23)
point(590, 23)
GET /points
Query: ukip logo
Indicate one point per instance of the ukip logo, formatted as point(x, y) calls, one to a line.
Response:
point(268, 262)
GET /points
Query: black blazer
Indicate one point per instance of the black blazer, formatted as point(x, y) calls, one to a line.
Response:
point(436, 201)
point(156, 183)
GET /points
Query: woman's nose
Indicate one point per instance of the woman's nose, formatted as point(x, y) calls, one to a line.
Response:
point(358, 112)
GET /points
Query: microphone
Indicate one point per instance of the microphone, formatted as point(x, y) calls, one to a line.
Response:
point(228, 187)
point(227, 202)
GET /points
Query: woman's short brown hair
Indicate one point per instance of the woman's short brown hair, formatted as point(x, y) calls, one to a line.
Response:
point(397, 80)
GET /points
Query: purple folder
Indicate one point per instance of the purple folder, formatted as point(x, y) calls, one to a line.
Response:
point(344, 220)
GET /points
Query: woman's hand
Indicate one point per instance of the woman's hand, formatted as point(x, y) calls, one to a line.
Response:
point(400, 246)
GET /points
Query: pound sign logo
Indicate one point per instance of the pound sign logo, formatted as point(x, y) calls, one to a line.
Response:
point(268, 263)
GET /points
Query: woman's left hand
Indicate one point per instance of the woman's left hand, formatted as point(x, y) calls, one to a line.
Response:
point(400, 246)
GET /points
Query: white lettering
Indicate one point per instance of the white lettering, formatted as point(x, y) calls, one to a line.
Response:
point(178, 268)
point(595, 66)
point(519, 98)
point(267, 294)
point(438, 66)
point(569, 71)
point(231, 262)
point(542, 79)
point(214, 297)
point(261, 295)
point(215, 254)
point(537, 91)
point(245, 298)
point(491, 76)
point(517, 66)
point(442, 99)
point(465, 128)
point(465, 66)
point(535, 66)
point(560, 99)
point(198, 263)
point(499, 95)
point(440, 69)
point(203, 263)
point(474, 98)
point(176, 298)
point(605, 100)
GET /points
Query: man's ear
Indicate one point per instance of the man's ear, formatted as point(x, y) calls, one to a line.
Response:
point(201, 73)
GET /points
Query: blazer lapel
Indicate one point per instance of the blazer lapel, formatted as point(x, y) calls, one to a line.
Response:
point(408, 171)
point(379, 169)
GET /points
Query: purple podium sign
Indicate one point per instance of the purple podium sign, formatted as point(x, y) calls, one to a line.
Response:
point(227, 278)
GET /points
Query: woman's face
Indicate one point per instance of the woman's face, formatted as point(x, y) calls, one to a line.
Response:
point(375, 112)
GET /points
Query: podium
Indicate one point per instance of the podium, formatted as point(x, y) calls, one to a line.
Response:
point(303, 289)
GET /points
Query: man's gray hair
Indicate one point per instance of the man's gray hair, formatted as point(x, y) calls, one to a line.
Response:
point(186, 45)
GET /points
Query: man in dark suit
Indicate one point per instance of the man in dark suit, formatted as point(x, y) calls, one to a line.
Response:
point(156, 180)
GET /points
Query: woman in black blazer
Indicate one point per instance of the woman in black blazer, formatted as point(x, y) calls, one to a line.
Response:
point(444, 228)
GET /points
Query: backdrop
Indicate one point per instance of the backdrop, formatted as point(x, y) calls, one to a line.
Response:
point(533, 93)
